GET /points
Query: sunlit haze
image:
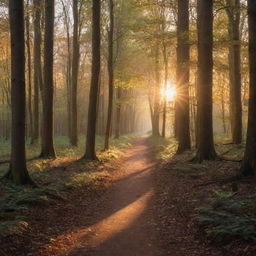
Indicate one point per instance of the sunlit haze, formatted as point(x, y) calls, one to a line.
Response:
point(169, 92)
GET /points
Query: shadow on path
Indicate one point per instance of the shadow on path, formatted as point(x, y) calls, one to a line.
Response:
point(125, 224)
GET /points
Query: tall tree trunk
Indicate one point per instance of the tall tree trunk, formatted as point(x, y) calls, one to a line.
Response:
point(110, 73)
point(165, 88)
point(118, 112)
point(18, 170)
point(205, 146)
point(68, 71)
point(249, 162)
point(48, 87)
point(233, 13)
point(223, 115)
point(75, 67)
point(151, 110)
point(156, 117)
point(38, 80)
point(182, 99)
point(30, 112)
point(90, 152)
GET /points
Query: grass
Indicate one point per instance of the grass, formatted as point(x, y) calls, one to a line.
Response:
point(56, 178)
point(164, 148)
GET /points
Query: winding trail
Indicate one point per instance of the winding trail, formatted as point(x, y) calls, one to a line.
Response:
point(126, 223)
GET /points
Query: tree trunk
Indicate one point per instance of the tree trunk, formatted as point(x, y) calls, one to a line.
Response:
point(223, 114)
point(38, 80)
point(156, 117)
point(182, 99)
point(233, 13)
point(110, 73)
point(68, 71)
point(205, 146)
point(18, 170)
point(48, 87)
point(165, 88)
point(75, 67)
point(151, 110)
point(118, 113)
point(90, 153)
point(30, 112)
point(249, 162)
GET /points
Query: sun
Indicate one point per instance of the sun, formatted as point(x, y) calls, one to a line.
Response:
point(169, 93)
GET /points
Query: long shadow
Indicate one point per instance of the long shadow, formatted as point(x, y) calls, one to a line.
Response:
point(136, 237)
point(130, 241)
point(123, 193)
point(132, 182)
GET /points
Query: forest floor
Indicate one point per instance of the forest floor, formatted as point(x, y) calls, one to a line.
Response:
point(139, 206)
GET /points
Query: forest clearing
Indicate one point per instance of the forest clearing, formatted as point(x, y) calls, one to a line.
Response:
point(127, 127)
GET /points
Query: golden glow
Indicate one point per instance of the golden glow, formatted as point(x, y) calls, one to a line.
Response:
point(169, 93)
point(107, 228)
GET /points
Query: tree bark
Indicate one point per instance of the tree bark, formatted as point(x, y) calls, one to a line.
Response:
point(223, 114)
point(118, 113)
point(90, 152)
point(110, 73)
point(68, 70)
point(18, 170)
point(156, 116)
point(205, 146)
point(165, 57)
point(48, 86)
point(38, 80)
point(249, 162)
point(182, 98)
point(29, 66)
point(75, 67)
point(233, 13)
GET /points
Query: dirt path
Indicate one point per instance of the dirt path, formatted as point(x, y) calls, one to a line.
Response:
point(138, 209)
point(126, 224)
point(122, 221)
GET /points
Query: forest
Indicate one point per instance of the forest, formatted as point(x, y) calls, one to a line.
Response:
point(127, 127)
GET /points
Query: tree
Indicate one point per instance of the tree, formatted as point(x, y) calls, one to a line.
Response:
point(110, 73)
point(75, 67)
point(90, 153)
point(18, 170)
point(249, 162)
point(205, 144)
point(48, 86)
point(119, 93)
point(68, 64)
point(163, 13)
point(182, 98)
point(165, 57)
point(156, 107)
point(233, 13)
point(29, 67)
point(38, 80)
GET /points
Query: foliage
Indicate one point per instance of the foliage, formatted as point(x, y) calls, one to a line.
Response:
point(13, 227)
point(223, 194)
point(54, 179)
point(164, 148)
point(16, 199)
point(230, 150)
point(227, 219)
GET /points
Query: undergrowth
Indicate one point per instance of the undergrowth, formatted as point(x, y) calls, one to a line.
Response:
point(163, 148)
point(227, 218)
point(55, 178)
